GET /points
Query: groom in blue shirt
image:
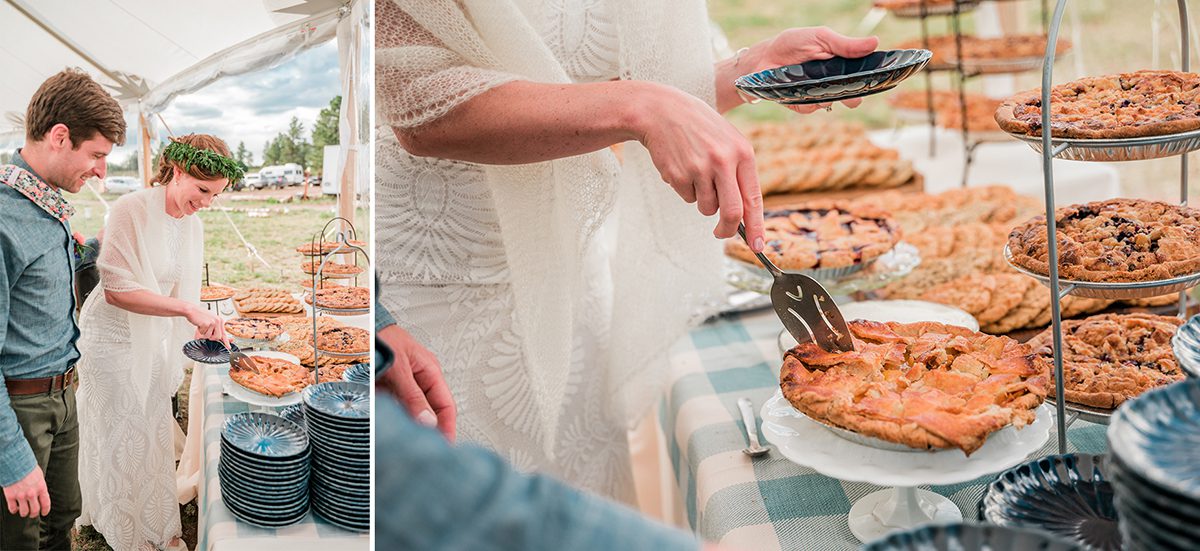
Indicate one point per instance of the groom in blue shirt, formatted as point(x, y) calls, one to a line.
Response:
point(71, 126)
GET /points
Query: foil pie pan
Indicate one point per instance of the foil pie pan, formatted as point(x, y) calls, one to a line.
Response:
point(1087, 413)
point(1113, 291)
point(883, 269)
point(999, 66)
point(1127, 149)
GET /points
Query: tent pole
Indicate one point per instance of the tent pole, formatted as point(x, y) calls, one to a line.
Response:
point(146, 163)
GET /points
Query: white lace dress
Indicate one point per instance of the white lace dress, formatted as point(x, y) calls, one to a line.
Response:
point(127, 454)
point(444, 275)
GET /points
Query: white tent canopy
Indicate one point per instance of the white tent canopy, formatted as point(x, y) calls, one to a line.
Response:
point(148, 51)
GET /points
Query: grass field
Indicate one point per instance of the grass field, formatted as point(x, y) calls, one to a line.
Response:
point(273, 227)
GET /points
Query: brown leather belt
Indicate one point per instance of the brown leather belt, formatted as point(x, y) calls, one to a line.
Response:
point(43, 385)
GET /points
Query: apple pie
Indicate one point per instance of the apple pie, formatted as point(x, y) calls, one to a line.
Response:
point(821, 235)
point(925, 385)
point(1111, 358)
point(253, 328)
point(216, 292)
point(275, 377)
point(331, 268)
point(342, 298)
point(1124, 105)
point(326, 247)
point(1118, 240)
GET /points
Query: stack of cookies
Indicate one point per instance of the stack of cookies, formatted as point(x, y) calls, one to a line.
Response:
point(263, 300)
point(799, 158)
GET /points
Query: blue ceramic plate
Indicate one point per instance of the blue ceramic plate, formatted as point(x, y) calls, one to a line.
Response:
point(969, 537)
point(249, 516)
point(294, 413)
point(834, 79)
point(1186, 344)
point(206, 351)
point(274, 467)
point(340, 400)
point(1157, 436)
point(1067, 495)
point(358, 373)
point(265, 435)
point(324, 421)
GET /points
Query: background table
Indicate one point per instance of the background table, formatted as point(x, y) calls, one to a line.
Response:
point(218, 530)
point(768, 503)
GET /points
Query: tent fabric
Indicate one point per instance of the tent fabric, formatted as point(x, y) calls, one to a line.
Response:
point(148, 51)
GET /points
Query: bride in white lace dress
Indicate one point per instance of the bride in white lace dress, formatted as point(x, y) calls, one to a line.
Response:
point(131, 337)
point(548, 277)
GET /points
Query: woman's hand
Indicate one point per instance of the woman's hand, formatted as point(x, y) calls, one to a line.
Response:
point(790, 47)
point(415, 379)
point(208, 325)
point(703, 158)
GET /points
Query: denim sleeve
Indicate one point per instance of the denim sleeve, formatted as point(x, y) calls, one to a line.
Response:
point(383, 318)
point(16, 457)
point(432, 496)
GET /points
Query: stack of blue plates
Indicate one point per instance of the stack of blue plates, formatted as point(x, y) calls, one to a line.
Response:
point(264, 469)
point(969, 537)
point(338, 417)
point(1154, 442)
point(1067, 495)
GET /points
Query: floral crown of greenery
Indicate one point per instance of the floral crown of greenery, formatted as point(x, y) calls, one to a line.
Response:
point(209, 161)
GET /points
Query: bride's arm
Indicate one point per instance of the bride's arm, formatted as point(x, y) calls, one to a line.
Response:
point(146, 303)
point(701, 155)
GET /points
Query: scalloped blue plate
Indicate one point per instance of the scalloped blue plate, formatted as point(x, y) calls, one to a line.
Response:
point(1070, 496)
point(1157, 436)
point(358, 373)
point(340, 400)
point(969, 537)
point(206, 351)
point(834, 79)
point(1186, 345)
point(265, 435)
point(295, 414)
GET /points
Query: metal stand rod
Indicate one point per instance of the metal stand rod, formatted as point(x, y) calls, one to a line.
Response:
point(1186, 63)
point(1052, 238)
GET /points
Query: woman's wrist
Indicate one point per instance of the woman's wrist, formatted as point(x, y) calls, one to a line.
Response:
point(745, 61)
point(635, 100)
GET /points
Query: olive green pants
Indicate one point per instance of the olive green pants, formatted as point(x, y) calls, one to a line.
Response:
point(52, 429)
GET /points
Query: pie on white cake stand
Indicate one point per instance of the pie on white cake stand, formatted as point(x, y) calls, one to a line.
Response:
point(811, 444)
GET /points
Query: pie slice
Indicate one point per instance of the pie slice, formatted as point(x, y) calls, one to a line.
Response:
point(924, 385)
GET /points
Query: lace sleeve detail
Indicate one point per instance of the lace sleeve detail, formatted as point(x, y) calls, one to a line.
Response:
point(119, 253)
point(418, 77)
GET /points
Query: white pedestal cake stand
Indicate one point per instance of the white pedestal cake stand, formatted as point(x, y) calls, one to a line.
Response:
point(811, 444)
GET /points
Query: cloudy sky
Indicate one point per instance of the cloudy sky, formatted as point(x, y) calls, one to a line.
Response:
point(254, 107)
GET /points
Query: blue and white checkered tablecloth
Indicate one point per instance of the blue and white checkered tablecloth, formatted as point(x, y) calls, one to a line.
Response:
point(218, 529)
point(768, 503)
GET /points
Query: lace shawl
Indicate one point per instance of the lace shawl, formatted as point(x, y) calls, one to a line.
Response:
point(433, 55)
point(135, 239)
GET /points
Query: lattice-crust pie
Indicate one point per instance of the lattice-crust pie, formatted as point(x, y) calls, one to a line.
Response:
point(1111, 358)
point(1125, 105)
point(1119, 240)
point(822, 235)
point(253, 328)
point(924, 385)
point(275, 377)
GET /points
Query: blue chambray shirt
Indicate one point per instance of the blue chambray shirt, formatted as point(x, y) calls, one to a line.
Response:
point(37, 311)
point(432, 496)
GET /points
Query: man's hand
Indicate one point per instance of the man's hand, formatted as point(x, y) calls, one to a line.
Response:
point(416, 380)
point(802, 44)
point(28, 497)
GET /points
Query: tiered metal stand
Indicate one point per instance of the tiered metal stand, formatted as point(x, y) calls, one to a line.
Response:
point(342, 238)
point(1100, 150)
point(962, 72)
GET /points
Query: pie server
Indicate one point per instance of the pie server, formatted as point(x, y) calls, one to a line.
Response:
point(239, 360)
point(805, 307)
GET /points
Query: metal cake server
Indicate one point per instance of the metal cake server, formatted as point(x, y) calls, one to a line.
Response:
point(805, 307)
point(239, 360)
